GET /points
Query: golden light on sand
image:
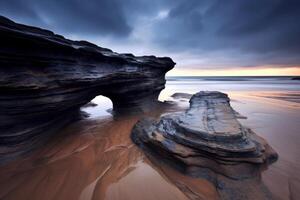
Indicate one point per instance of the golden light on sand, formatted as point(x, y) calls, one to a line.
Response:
point(255, 71)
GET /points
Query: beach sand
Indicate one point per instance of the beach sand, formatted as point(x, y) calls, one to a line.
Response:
point(96, 159)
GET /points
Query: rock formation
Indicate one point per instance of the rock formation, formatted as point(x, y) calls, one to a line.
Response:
point(45, 78)
point(180, 95)
point(206, 138)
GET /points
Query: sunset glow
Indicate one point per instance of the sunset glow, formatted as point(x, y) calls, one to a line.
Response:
point(257, 71)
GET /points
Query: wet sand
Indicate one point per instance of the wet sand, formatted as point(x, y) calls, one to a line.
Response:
point(286, 96)
point(95, 159)
point(90, 159)
point(278, 121)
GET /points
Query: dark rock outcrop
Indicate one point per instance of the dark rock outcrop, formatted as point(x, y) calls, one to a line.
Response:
point(207, 139)
point(296, 78)
point(45, 78)
point(180, 95)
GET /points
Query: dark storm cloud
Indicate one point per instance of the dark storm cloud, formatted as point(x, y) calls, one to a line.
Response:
point(70, 16)
point(265, 30)
point(225, 33)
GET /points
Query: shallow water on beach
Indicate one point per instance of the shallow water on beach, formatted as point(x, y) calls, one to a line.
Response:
point(95, 158)
point(272, 108)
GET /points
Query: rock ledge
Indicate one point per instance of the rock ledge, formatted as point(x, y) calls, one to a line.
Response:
point(207, 135)
point(45, 79)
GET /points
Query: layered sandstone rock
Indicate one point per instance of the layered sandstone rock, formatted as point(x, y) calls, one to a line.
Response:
point(207, 139)
point(45, 79)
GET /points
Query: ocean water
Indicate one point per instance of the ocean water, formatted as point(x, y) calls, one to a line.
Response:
point(283, 88)
point(230, 84)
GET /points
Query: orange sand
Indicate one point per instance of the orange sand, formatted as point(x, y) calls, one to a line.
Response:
point(95, 159)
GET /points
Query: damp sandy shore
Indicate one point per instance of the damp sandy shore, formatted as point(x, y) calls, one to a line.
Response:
point(95, 159)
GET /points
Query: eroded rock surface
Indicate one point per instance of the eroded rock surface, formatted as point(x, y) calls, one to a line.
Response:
point(179, 95)
point(45, 78)
point(208, 141)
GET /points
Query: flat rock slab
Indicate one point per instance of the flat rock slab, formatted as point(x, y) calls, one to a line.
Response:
point(206, 136)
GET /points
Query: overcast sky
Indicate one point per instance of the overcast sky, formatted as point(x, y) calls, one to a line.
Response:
point(197, 34)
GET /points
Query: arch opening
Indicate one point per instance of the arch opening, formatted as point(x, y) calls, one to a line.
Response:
point(100, 106)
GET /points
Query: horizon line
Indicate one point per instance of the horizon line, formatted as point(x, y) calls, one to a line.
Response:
point(233, 76)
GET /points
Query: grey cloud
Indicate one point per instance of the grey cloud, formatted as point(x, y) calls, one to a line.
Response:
point(93, 17)
point(263, 31)
point(233, 32)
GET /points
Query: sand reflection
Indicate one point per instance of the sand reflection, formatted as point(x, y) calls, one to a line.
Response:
point(90, 159)
point(95, 159)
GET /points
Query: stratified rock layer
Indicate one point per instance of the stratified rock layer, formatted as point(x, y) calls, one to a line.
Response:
point(207, 136)
point(45, 78)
